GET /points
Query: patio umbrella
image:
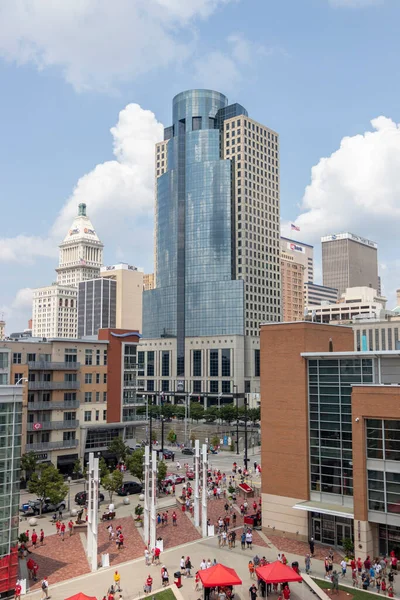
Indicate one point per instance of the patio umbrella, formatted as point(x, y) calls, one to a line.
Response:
point(81, 596)
point(219, 576)
point(277, 572)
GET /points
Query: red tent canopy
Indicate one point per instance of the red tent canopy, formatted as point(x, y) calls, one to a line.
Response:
point(219, 575)
point(81, 596)
point(277, 572)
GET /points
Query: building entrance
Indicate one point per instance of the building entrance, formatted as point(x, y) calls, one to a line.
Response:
point(330, 530)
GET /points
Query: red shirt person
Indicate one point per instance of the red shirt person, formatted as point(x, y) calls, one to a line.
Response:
point(34, 538)
point(18, 590)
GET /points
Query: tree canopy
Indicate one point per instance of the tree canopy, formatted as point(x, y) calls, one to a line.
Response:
point(135, 464)
point(47, 482)
point(112, 482)
point(119, 448)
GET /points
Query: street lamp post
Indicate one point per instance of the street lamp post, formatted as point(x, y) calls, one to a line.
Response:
point(162, 433)
point(245, 433)
point(237, 419)
point(69, 493)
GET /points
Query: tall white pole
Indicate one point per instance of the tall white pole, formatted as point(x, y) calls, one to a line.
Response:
point(153, 499)
point(186, 409)
point(95, 512)
point(89, 543)
point(204, 494)
point(146, 494)
point(196, 483)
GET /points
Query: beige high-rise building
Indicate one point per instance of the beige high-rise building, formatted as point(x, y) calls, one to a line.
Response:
point(292, 277)
point(129, 291)
point(302, 253)
point(254, 151)
point(349, 261)
point(148, 281)
point(54, 309)
point(2, 329)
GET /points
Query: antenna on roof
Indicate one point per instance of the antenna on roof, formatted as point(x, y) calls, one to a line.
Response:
point(82, 210)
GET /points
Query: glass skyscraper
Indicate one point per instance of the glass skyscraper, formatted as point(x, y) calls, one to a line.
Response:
point(200, 285)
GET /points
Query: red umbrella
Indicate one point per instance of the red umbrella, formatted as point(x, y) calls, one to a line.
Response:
point(81, 596)
point(219, 576)
point(277, 572)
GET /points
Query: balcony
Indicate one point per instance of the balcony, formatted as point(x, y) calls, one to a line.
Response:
point(72, 405)
point(53, 385)
point(60, 445)
point(51, 425)
point(44, 365)
point(128, 366)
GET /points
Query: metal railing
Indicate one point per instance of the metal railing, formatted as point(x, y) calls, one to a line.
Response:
point(52, 445)
point(50, 425)
point(72, 404)
point(53, 385)
point(44, 365)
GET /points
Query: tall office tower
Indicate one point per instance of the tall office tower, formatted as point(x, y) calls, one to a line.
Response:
point(348, 261)
point(217, 224)
point(129, 294)
point(81, 252)
point(97, 299)
point(292, 277)
point(54, 310)
point(301, 253)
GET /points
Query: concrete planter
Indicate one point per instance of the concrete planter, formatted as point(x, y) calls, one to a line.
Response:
point(126, 500)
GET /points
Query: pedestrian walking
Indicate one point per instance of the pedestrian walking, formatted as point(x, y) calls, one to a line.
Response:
point(34, 538)
point(70, 527)
point(251, 568)
point(35, 569)
point(307, 561)
point(120, 541)
point(203, 565)
point(27, 533)
point(253, 592)
point(45, 588)
point(17, 594)
point(164, 576)
point(233, 538)
point(110, 530)
point(157, 553)
point(60, 514)
point(249, 539)
point(311, 544)
point(58, 526)
point(197, 582)
point(174, 519)
point(182, 565)
point(343, 564)
point(234, 519)
point(243, 541)
point(62, 531)
point(188, 566)
point(117, 581)
point(149, 584)
point(41, 537)
point(147, 557)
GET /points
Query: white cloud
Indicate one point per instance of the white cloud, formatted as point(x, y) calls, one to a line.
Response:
point(355, 3)
point(19, 310)
point(119, 195)
point(225, 69)
point(357, 189)
point(97, 43)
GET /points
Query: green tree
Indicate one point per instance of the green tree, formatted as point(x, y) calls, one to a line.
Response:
point(211, 414)
point(103, 468)
point(47, 482)
point(77, 468)
point(196, 411)
point(161, 471)
point(179, 411)
point(112, 482)
point(215, 440)
point(135, 464)
point(171, 437)
point(29, 464)
point(228, 412)
point(168, 410)
point(119, 448)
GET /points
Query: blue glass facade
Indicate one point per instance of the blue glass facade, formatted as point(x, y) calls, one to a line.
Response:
point(196, 292)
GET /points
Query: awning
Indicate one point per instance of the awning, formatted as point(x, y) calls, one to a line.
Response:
point(277, 572)
point(219, 575)
point(326, 509)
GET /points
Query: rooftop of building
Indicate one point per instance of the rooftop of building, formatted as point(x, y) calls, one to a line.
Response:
point(81, 229)
point(349, 236)
point(121, 267)
point(296, 242)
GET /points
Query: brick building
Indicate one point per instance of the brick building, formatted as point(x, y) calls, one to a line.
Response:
point(331, 437)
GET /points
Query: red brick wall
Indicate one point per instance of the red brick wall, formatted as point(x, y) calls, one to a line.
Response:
point(284, 404)
point(115, 369)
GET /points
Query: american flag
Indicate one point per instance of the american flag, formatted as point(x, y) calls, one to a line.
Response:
point(82, 261)
point(294, 227)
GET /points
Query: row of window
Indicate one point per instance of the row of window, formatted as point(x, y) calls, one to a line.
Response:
point(88, 414)
point(70, 356)
point(98, 396)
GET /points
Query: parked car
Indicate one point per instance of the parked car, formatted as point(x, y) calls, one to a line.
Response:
point(81, 498)
point(188, 451)
point(190, 474)
point(130, 487)
point(32, 507)
point(173, 478)
point(167, 454)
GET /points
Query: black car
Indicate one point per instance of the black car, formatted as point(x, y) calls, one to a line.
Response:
point(167, 454)
point(81, 498)
point(188, 451)
point(130, 487)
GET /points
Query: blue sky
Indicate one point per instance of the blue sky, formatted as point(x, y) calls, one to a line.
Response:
point(316, 71)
